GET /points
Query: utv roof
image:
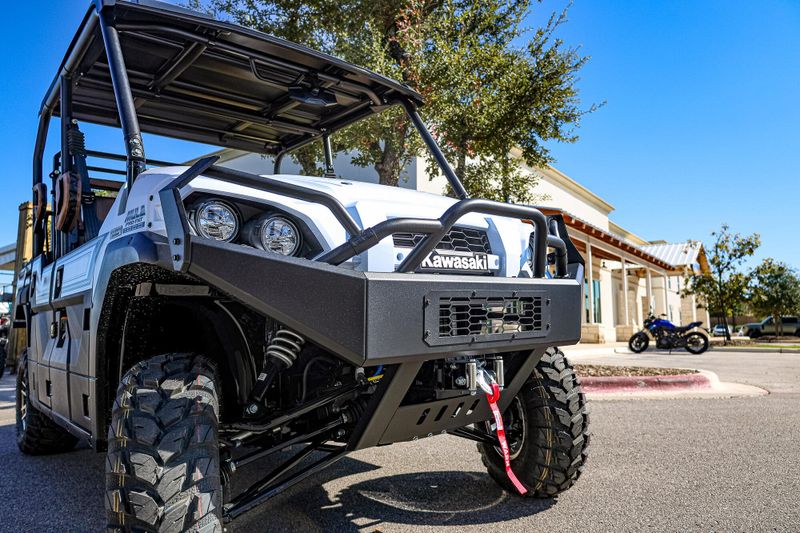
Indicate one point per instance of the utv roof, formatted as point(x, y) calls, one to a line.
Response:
point(196, 78)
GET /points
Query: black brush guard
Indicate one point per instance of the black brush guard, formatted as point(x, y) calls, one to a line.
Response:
point(372, 318)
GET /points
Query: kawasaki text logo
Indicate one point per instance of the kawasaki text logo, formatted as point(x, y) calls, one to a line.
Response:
point(442, 261)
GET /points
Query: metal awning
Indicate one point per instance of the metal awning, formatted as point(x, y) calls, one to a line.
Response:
point(610, 240)
point(195, 78)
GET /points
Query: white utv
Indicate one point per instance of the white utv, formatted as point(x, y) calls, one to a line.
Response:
point(191, 320)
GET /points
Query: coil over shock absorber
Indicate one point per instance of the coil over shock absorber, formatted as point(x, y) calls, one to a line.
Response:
point(280, 354)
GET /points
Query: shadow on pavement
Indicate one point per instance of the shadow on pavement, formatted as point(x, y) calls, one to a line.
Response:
point(64, 492)
point(435, 498)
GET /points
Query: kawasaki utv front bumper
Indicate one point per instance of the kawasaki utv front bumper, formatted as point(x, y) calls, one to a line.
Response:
point(399, 319)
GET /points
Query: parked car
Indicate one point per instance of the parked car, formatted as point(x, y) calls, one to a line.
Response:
point(719, 330)
point(201, 318)
point(791, 326)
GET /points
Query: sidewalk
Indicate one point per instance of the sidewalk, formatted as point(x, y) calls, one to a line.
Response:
point(611, 348)
point(585, 349)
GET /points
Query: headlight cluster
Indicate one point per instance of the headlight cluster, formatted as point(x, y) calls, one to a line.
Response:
point(216, 220)
point(219, 220)
point(274, 233)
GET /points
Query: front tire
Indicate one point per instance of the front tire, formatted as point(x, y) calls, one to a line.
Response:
point(549, 440)
point(696, 343)
point(36, 433)
point(162, 468)
point(638, 343)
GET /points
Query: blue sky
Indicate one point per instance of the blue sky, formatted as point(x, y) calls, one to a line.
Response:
point(702, 116)
point(700, 126)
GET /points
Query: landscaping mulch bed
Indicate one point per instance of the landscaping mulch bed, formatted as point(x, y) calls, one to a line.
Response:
point(774, 338)
point(611, 370)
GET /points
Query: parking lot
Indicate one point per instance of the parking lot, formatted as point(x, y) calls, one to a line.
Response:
point(655, 465)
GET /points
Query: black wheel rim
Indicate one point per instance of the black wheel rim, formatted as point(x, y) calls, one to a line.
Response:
point(638, 343)
point(515, 427)
point(695, 343)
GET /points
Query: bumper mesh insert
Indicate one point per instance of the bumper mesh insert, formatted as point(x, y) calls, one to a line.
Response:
point(461, 316)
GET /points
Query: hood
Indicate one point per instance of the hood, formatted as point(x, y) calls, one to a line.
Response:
point(350, 192)
point(369, 204)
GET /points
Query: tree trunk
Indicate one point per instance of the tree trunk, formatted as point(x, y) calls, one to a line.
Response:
point(461, 163)
point(308, 162)
point(388, 168)
point(725, 325)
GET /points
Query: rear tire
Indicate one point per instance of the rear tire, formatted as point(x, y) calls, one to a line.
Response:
point(550, 450)
point(162, 468)
point(36, 433)
point(696, 343)
point(638, 343)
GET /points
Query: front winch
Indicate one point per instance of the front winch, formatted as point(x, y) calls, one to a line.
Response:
point(458, 376)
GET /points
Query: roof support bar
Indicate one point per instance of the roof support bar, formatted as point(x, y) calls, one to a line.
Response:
point(76, 51)
point(434, 149)
point(184, 60)
point(326, 143)
point(134, 148)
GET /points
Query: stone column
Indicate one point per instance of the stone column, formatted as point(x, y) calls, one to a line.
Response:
point(591, 281)
point(625, 293)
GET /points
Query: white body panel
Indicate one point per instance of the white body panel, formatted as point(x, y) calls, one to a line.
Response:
point(367, 203)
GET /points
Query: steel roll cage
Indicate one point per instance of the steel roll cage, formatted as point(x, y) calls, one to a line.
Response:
point(359, 239)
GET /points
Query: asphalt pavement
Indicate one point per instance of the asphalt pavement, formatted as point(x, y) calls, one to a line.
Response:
point(655, 465)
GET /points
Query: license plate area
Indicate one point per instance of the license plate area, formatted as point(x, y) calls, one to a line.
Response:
point(466, 317)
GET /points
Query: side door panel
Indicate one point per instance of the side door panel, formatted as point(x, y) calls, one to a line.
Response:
point(69, 357)
point(41, 318)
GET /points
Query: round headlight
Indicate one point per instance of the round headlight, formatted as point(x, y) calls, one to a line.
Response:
point(274, 233)
point(216, 220)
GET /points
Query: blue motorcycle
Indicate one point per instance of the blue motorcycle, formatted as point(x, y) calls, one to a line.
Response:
point(669, 336)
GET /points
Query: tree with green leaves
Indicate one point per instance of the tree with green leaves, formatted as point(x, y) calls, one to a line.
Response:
point(724, 288)
point(776, 291)
point(492, 85)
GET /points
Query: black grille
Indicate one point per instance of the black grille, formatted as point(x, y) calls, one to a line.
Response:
point(474, 316)
point(459, 239)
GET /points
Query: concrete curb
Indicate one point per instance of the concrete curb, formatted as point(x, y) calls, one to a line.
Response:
point(712, 349)
point(620, 384)
point(704, 384)
point(755, 349)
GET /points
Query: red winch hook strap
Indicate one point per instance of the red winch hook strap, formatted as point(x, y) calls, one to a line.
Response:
point(501, 436)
